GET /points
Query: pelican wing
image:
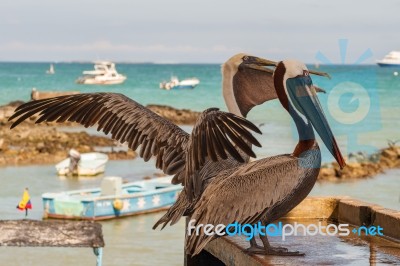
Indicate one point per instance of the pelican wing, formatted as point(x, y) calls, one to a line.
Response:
point(243, 196)
point(125, 119)
point(217, 136)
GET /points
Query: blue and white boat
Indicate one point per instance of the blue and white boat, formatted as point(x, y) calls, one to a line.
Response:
point(174, 83)
point(113, 199)
point(390, 60)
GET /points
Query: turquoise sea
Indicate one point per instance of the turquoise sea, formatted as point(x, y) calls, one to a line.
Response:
point(372, 114)
point(378, 126)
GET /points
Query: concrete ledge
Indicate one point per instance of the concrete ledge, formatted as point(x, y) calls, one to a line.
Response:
point(355, 212)
point(316, 208)
point(323, 249)
point(389, 220)
point(230, 251)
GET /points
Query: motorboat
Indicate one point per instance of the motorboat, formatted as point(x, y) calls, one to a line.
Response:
point(104, 73)
point(85, 164)
point(113, 199)
point(390, 60)
point(174, 83)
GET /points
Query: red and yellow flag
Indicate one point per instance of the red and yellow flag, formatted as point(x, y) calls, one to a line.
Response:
point(25, 203)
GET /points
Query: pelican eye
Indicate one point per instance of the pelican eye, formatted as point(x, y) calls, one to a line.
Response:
point(306, 73)
point(245, 58)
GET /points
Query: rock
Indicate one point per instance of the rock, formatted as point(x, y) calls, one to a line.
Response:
point(36, 145)
point(159, 175)
point(327, 173)
point(3, 145)
point(390, 154)
point(177, 116)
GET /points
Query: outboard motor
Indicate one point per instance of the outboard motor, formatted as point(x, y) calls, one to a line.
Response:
point(74, 158)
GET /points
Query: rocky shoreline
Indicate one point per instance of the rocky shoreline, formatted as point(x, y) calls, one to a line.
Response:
point(46, 143)
point(177, 116)
point(386, 158)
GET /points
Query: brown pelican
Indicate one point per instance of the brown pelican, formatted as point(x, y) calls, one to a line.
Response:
point(266, 189)
point(246, 82)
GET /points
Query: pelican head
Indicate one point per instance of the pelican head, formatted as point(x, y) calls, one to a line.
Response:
point(247, 81)
point(298, 96)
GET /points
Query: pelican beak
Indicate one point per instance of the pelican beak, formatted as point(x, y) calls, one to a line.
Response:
point(258, 63)
point(262, 64)
point(303, 95)
point(323, 74)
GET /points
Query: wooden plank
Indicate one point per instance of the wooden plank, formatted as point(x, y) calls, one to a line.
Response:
point(33, 233)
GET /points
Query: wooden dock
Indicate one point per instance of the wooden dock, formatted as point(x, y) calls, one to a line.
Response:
point(33, 233)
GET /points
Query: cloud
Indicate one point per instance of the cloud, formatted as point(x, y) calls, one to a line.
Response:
point(99, 46)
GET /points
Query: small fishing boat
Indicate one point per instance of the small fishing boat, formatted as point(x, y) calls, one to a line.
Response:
point(50, 70)
point(113, 199)
point(85, 164)
point(390, 60)
point(174, 83)
point(104, 73)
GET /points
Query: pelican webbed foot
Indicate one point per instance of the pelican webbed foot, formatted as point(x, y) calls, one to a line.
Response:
point(280, 251)
point(269, 250)
point(254, 247)
point(273, 251)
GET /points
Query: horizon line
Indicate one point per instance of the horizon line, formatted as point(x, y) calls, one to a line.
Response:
point(152, 63)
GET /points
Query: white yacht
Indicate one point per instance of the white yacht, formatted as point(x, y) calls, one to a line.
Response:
point(390, 60)
point(104, 73)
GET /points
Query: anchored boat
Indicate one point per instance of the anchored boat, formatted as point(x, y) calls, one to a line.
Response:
point(390, 60)
point(174, 83)
point(50, 70)
point(112, 200)
point(85, 164)
point(104, 73)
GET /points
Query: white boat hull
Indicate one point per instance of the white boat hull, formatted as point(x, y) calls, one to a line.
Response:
point(390, 60)
point(104, 73)
point(183, 84)
point(384, 64)
point(90, 164)
point(96, 81)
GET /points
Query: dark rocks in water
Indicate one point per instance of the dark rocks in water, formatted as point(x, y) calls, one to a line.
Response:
point(44, 143)
point(38, 145)
point(177, 116)
point(369, 165)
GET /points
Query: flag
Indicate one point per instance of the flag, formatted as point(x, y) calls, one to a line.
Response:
point(25, 203)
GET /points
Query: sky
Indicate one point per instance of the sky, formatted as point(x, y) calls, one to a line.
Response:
point(199, 31)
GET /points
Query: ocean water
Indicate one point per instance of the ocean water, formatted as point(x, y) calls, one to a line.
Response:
point(379, 94)
point(130, 241)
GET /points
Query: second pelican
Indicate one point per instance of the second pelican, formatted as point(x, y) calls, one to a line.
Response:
point(267, 189)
